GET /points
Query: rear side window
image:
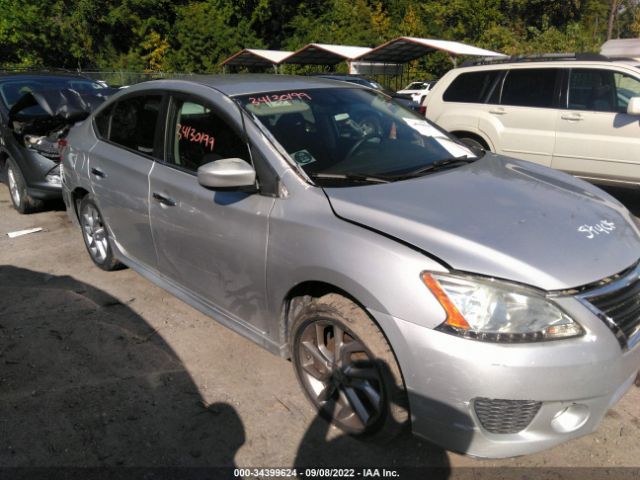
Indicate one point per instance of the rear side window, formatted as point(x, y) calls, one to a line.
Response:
point(134, 122)
point(200, 136)
point(472, 87)
point(530, 87)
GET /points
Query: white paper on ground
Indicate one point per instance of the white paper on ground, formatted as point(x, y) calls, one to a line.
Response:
point(19, 233)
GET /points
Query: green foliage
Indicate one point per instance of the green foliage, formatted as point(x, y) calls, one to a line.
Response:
point(18, 37)
point(342, 22)
point(205, 33)
point(196, 35)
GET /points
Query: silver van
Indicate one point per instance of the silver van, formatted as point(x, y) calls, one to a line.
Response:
point(492, 303)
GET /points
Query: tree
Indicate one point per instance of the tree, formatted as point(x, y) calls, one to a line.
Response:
point(612, 17)
point(195, 35)
point(343, 22)
point(206, 33)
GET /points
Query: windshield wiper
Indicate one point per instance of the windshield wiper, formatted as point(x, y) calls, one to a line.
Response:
point(353, 177)
point(437, 165)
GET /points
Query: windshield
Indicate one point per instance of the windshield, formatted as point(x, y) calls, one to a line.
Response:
point(352, 132)
point(12, 90)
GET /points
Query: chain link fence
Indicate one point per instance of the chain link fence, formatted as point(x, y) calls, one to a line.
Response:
point(121, 78)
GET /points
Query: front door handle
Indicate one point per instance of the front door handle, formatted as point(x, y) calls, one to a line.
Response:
point(572, 117)
point(169, 202)
point(97, 172)
point(498, 111)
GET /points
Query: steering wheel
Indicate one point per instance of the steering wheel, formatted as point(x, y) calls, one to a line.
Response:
point(359, 143)
point(370, 125)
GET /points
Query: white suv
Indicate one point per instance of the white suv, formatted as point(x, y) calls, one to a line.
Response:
point(418, 90)
point(577, 115)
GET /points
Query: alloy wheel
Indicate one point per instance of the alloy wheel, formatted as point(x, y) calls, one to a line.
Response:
point(339, 375)
point(14, 189)
point(95, 234)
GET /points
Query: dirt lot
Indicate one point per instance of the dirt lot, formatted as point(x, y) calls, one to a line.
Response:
point(106, 370)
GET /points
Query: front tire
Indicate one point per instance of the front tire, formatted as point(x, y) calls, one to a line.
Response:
point(21, 200)
point(347, 369)
point(95, 236)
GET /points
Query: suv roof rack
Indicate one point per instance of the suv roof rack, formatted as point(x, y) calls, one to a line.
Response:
point(544, 57)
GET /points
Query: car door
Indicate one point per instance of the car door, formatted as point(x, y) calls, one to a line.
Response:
point(525, 118)
point(211, 243)
point(596, 137)
point(119, 164)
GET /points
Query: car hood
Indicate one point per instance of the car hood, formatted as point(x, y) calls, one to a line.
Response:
point(57, 109)
point(502, 218)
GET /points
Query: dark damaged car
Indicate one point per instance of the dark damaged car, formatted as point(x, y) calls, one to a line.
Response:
point(36, 112)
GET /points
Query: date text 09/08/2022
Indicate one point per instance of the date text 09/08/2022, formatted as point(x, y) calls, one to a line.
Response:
point(315, 472)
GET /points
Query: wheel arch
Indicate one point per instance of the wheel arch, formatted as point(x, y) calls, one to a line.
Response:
point(76, 197)
point(297, 297)
point(3, 160)
point(475, 136)
point(302, 293)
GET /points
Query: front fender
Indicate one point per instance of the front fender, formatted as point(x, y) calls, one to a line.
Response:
point(308, 242)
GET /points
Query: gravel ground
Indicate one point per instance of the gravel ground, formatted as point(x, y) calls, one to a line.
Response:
point(105, 369)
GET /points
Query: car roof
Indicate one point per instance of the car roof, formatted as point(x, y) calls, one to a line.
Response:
point(245, 83)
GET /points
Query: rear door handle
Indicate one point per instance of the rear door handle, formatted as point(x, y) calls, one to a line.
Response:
point(572, 117)
point(498, 111)
point(97, 172)
point(169, 202)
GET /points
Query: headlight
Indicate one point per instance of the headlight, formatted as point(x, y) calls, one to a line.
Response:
point(496, 311)
point(53, 177)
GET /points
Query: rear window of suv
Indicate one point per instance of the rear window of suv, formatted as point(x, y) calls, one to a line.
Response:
point(530, 87)
point(473, 87)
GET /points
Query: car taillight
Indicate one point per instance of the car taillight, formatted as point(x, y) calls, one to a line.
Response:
point(422, 110)
point(62, 144)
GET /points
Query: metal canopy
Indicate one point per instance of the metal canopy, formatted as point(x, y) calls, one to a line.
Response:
point(324, 54)
point(405, 49)
point(622, 47)
point(252, 57)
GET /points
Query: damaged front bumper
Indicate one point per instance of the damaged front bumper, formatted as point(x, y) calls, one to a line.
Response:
point(42, 174)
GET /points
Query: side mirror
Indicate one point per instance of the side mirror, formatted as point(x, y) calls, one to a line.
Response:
point(633, 108)
point(227, 173)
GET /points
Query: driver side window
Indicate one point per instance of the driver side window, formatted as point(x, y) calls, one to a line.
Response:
point(200, 136)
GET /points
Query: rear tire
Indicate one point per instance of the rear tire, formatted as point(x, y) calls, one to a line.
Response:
point(95, 235)
point(360, 388)
point(21, 200)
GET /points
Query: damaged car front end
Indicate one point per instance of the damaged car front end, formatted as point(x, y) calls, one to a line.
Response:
point(37, 112)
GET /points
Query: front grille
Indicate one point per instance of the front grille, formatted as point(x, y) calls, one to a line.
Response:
point(505, 416)
point(619, 306)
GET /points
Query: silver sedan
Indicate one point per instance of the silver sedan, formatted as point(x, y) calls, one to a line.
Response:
point(495, 300)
